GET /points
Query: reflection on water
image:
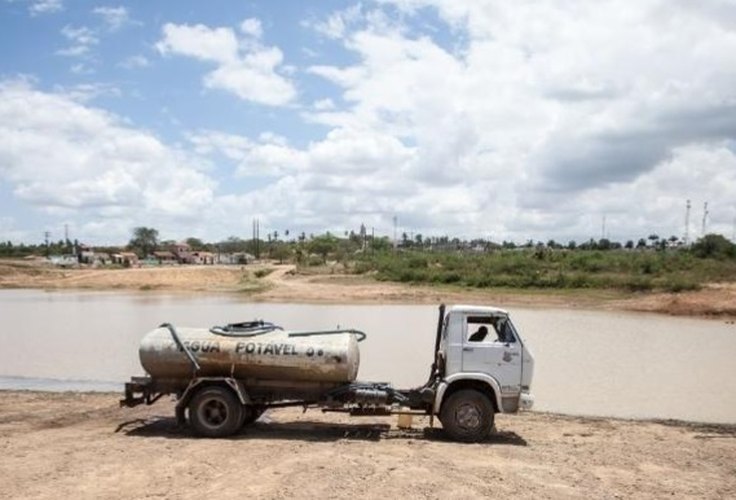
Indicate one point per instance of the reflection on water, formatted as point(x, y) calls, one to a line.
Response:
point(592, 363)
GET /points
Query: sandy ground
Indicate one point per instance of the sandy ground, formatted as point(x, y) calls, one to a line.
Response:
point(84, 446)
point(283, 284)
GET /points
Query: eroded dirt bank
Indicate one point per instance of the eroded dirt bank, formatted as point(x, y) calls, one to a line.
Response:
point(280, 283)
point(83, 446)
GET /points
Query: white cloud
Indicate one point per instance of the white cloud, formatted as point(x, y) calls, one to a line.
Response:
point(135, 62)
point(323, 104)
point(252, 26)
point(84, 92)
point(113, 17)
point(81, 40)
point(244, 67)
point(38, 7)
point(81, 69)
point(537, 105)
point(67, 158)
point(337, 23)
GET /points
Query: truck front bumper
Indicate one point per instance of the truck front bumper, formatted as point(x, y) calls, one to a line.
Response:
point(526, 401)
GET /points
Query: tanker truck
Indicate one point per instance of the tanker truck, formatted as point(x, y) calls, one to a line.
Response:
point(225, 377)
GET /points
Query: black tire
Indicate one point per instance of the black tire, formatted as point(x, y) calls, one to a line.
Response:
point(251, 414)
point(215, 412)
point(467, 415)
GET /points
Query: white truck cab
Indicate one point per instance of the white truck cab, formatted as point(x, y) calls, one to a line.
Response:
point(483, 368)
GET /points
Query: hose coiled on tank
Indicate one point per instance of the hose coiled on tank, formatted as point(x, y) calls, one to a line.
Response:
point(245, 329)
point(259, 327)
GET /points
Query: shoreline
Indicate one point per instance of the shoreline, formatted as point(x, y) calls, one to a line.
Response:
point(283, 284)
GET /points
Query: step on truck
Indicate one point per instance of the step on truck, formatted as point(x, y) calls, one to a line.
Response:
point(225, 377)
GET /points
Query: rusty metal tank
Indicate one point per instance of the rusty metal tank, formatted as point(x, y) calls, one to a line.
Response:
point(253, 352)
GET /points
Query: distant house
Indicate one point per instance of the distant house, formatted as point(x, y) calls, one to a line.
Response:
point(85, 254)
point(182, 253)
point(165, 257)
point(64, 260)
point(127, 259)
point(203, 258)
point(235, 258)
point(100, 259)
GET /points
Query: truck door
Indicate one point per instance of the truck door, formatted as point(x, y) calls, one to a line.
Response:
point(490, 346)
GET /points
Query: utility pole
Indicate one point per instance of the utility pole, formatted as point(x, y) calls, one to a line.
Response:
point(687, 223)
point(396, 220)
point(705, 216)
point(258, 239)
point(46, 236)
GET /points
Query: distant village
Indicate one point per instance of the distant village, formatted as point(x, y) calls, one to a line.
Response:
point(177, 254)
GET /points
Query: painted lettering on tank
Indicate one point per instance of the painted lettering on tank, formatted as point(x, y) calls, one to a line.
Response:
point(271, 348)
point(197, 346)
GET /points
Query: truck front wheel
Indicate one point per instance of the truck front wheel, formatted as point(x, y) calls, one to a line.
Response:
point(467, 415)
point(215, 412)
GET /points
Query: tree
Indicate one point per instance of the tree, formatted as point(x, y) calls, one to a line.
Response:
point(714, 246)
point(323, 245)
point(604, 244)
point(281, 251)
point(144, 241)
point(629, 245)
point(195, 244)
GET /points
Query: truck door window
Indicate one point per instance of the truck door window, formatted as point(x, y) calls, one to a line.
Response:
point(489, 329)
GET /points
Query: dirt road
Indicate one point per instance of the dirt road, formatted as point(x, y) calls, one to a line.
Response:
point(83, 446)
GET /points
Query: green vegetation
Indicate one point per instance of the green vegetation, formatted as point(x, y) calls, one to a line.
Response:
point(262, 273)
point(652, 263)
point(675, 271)
point(144, 241)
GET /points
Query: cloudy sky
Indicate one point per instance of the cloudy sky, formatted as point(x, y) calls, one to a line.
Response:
point(495, 119)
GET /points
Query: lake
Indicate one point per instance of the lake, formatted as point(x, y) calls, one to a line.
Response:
point(587, 362)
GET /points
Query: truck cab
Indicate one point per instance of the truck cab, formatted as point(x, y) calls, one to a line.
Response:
point(482, 367)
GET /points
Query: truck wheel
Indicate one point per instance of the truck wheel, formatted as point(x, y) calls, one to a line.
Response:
point(215, 412)
point(467, 415)
point(251, 414)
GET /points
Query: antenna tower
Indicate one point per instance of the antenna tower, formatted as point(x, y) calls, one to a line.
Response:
point(705, 216)
point(687, 222)
point(603, 228)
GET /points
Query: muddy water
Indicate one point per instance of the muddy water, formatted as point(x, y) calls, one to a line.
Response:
point(590, 363)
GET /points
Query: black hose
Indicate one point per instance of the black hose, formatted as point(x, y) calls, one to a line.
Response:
point(183, 347)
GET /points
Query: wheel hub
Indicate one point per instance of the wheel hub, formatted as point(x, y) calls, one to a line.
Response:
point(468, 416)
point(213, 413)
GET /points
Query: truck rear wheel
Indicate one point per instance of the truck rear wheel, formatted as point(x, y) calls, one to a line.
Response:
point(215, 412)
point(467, 415)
